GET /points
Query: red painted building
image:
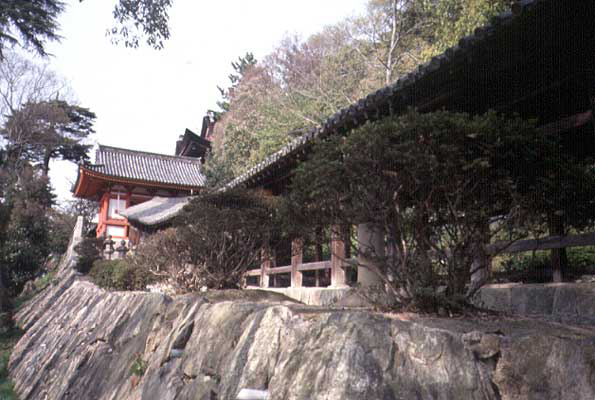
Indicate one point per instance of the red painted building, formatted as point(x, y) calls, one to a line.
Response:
point(122, 178)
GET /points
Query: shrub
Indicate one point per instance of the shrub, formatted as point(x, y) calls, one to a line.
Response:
point(89, 251)
point(581, 261)
point(217, 237)
point(536, 267)
point(223, 234)
point(138, 367)
point(526, 268)
point(161, 254)
point(120, 275)
point(430, 185)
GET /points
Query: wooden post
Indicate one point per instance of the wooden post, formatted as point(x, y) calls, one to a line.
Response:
point(371, 245)
point(558, 257)
point(338, 256)
point(265, 265)
point(297, 254)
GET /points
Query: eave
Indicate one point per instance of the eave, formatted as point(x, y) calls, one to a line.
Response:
point(91, 184)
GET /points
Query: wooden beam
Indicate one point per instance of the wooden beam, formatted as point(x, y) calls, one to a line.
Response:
point(279, 270)
point(548, 243)
point(566, 124)
point(297, 255)
point(314, 266)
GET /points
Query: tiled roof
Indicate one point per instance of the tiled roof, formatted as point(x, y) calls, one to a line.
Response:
point(156, 210)
point(368, 108)
point(148, 167)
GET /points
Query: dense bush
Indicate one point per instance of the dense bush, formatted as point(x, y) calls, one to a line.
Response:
point(217, 237)
point(120, 275)
point(438, 187)
point(161, 254)
point(223, 234)
point(89, 251)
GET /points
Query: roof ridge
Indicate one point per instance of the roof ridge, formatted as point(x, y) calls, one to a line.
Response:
point(378, 95)
point(105, 148)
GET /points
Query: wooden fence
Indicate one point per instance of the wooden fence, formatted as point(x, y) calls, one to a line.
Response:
point(339, 261)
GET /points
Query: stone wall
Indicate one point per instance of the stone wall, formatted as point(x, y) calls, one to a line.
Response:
point(561, 302)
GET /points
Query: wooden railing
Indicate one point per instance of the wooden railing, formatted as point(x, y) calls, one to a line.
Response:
point(299, 268)
point(312, 266)
point(336, 265)
point(339, 262)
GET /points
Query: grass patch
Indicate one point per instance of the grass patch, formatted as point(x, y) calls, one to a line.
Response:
point(7, 343)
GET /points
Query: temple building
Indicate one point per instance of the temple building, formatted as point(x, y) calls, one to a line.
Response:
point(121, 179)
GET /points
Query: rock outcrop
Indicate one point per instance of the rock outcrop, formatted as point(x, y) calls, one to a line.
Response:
point(82, 341)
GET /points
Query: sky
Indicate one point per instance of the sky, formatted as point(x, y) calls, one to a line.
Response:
point(145, 98)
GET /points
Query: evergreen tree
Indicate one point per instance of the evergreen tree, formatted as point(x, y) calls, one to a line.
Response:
point(39, 132)
point(35, 21)
point(24, 234)
point(240, 68)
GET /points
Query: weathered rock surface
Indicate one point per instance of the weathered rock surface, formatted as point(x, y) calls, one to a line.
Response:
point(82, 341)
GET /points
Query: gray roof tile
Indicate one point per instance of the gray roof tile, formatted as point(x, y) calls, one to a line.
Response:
point(156, 210)
point(148, 167)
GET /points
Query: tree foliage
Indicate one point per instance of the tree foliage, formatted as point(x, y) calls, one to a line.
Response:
point(23, 81)
point(24, 234)
point(438, 187)
point(36, 127)
point(136, 19)
point(33, 21)
point(39, 132)
point(217, 170)
point(87, 209)
point(225, 233)
point(449, 20)
point(240, 68)
point(302, 82)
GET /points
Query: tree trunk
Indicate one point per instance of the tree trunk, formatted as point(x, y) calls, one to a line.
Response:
point(558, 257)
point(392, 46)
point(46, 162)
